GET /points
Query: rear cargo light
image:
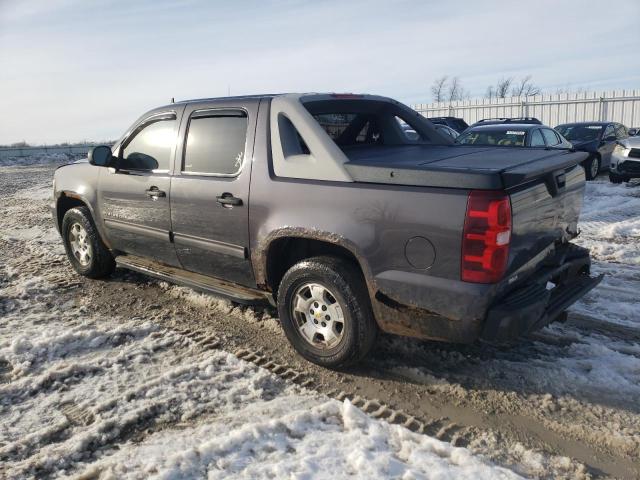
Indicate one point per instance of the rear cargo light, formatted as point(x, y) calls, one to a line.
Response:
point(486, 236)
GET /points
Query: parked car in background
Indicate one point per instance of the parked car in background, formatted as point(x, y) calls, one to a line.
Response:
point(598, 139)
point(625, 160)
point(505, 120)
point(513, 135)
point(458, 124)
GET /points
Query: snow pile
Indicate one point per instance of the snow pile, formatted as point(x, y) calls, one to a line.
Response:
point(610, 228)
point(287, 438)
point(610, 222)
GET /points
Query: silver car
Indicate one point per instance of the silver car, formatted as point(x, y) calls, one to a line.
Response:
point(625, 160)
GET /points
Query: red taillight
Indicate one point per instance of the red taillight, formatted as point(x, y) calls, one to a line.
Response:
point(486, 236)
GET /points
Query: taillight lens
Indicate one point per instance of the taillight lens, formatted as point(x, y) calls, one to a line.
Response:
point(486, 236)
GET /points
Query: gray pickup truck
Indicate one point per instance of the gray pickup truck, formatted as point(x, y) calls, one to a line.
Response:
point(324, 206)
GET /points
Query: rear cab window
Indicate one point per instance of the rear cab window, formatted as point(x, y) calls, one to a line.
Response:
point(363, 122)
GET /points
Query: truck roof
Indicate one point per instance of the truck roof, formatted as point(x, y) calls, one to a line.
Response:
point(317, 95)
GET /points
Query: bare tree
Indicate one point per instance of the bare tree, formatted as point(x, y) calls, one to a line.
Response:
point(525, 88)
point(438, 89)
point(456, 92)
point(502, 87)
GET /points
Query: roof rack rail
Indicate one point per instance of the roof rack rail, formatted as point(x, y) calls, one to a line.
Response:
point(510, 120)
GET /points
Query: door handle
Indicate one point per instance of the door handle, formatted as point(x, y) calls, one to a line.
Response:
point(228, 200)
point(155, 193)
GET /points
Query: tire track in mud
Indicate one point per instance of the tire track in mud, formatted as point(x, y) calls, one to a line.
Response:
point(445, 395)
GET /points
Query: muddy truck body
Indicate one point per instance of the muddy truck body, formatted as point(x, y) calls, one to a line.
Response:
point(322, 205)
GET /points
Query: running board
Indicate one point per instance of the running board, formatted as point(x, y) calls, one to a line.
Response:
point(197, 281)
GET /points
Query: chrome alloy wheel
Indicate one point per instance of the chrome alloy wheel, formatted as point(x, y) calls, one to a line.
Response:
point(318, 315)
point(79, 243)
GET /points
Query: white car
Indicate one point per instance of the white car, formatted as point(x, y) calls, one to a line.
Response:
point(625, 160)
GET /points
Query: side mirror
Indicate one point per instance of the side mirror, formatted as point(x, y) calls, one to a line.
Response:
point(633, 132)
point(100, 156)
point(611, 138)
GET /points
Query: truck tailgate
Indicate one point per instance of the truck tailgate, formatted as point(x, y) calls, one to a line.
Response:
point(544, 211)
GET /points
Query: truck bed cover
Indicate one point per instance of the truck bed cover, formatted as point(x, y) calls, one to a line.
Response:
point(455, 166)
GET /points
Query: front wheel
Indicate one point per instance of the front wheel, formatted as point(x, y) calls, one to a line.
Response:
point(88, 255)
point(591, 167)
point(325, 311)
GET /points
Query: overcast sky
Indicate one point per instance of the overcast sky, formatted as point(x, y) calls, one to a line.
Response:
point(74, 69)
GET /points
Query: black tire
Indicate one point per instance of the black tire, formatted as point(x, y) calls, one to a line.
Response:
point(588, 165)
point(101, 263)
point(615, 178)
point(344, 281)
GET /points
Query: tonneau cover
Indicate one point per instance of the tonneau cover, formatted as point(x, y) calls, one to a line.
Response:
point(455, 166)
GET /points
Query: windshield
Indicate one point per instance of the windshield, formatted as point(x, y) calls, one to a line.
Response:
point(493, 137)
point(580, 133)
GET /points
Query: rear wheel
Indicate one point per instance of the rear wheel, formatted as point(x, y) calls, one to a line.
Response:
point(325, 311)
point(591, 167)
point(88, 255)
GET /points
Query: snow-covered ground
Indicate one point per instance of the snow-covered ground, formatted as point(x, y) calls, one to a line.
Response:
point(113, 397)
point(86, 395)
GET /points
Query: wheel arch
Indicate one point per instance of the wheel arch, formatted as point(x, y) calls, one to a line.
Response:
point(65, 202)
point(286, 248)
point(68, 200)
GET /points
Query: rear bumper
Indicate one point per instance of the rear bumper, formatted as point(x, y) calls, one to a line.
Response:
point(563, 281)
point(626, 167)
point(464, 312)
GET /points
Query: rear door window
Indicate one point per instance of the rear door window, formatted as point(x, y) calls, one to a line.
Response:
point(536, 139)
point(608, 132)
point(550, 137)
point(215, 143)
